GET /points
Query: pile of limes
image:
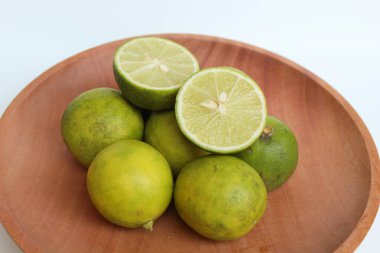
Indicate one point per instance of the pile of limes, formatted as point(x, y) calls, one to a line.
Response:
point(207, 131)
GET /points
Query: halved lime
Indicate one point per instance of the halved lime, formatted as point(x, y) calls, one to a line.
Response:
point(222, 110)
point(149, 71)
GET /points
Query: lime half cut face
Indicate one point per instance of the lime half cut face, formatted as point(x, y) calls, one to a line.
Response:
point(150, 71)
point(222, 110)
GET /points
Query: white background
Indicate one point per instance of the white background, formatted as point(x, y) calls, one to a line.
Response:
point(337, 40)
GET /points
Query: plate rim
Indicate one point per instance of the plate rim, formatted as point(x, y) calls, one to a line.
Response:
point(353, 240)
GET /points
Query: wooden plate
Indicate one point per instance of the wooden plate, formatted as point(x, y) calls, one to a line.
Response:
point(329, 204)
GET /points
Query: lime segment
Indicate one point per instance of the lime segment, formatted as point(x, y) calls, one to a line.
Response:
point(221, 109)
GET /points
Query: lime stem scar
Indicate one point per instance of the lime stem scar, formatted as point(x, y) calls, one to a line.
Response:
point(267, 133)
point(148, 225)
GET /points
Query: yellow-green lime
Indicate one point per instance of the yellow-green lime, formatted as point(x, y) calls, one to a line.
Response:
point(97, 118)
point(221, 109)
point(130, 184)
point(162, 132)
point(274, 155)
point(220, 197)
point(150, 71)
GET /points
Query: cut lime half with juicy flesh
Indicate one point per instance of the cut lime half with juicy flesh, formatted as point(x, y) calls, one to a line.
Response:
point(222, 110)
point(149, 71)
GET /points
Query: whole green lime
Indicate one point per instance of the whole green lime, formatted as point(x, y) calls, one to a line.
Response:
point(130, 184)
point(97, 118)
point(220, 197)
point(163, 133)
point(274, 155)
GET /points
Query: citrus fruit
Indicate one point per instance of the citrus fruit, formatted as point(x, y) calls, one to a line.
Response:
point(222, 110)
point(162, 132)
point(150, 71)
point(274, 155)
point(130, 184)
point(97, 118)
point(220, 197)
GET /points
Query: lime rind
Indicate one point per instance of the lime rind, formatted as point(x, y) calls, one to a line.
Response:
point(189, 133)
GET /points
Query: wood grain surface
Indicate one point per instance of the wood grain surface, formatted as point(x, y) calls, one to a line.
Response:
point(329, 204)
